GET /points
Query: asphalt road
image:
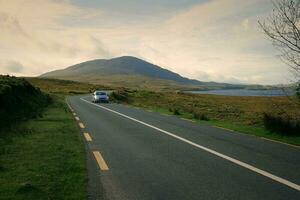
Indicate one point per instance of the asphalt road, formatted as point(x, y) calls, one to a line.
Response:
point(136, 154)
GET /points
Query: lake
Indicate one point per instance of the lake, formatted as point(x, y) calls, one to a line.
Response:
point(244, 92)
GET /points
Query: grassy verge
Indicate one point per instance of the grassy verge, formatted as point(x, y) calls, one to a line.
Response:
point(64, 86)
point(241, 114)
point(43, 158)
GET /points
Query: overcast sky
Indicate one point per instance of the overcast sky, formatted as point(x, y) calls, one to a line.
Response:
point(209, 40)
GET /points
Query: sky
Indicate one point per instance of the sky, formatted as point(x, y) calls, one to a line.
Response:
point(208, 40)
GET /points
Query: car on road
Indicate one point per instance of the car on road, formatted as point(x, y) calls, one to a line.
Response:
point(100, 96)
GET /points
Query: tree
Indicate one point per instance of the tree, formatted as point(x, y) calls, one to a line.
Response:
point(283, 28)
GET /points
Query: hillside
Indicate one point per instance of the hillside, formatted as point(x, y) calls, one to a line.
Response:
point(128, 71)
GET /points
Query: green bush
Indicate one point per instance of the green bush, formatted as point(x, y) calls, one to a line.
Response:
point(175, 111)
point(19, 100)
point(200, 116)
point(120, 96)
point(282, 124)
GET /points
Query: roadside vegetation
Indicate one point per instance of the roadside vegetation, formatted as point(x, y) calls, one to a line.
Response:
point(244, 114)
point(64, 87)
point(41, 153)
point(19, 101)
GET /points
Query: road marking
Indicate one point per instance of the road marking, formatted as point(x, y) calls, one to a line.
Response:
point(77, 118)
point(101, 162)
point(262, 138)
point(233, 160)
point(87, 137)
point(190, 120)
point(81, 125)
point(226, 129)
point(69, 106)
point(74, 114)
point(279, 142)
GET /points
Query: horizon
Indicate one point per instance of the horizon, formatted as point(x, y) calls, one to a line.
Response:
point(206, 40)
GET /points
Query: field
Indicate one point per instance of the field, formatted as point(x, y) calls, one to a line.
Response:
point(43, 158)
point(65, 87)
point(41, 153)
point(243, 114)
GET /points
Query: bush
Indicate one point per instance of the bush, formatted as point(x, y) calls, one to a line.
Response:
point(282, 124)
point(120, 96)
point(175, 111)
point(298, 91)
point(200, 116)
point(19, 100)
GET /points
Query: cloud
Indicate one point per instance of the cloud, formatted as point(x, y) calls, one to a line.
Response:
point(11, 67)
point(216, 40)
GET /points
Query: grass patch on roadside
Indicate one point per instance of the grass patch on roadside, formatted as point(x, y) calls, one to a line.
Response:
point(64, 86)
point(241, 114)
point(43, 158)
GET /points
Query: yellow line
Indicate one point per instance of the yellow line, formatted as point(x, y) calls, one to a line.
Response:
point(87, 137)
point(81, 125)
point(74, 114)
point(101, 162)
point(77, 118)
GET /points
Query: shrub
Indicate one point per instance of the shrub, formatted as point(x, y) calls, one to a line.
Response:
point(175, 111)
point(200, 116)
point(282, 124)
point(120, 96)
point(298, 91)
point(19, 100)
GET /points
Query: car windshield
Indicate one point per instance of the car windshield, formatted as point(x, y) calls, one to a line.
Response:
point(100, 93)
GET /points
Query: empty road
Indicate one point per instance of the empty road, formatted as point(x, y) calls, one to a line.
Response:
point(136, 154)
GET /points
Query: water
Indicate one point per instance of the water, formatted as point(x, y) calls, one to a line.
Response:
point(245, 92)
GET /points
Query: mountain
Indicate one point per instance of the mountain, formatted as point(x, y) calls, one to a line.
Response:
point(126, 71)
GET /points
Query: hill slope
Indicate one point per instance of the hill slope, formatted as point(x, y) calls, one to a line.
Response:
point(126, 70)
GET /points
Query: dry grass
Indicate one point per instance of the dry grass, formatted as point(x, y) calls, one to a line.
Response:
point(244, 110)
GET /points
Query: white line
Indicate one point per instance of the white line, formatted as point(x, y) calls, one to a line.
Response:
point(233, 160)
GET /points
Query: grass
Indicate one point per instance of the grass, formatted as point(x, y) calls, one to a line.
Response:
point(43, 158)
point(65, 87)
point(242, 114)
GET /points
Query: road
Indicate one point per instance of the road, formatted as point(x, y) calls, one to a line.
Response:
point(137, 154)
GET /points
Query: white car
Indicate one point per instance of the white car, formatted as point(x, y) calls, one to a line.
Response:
point(100, 96)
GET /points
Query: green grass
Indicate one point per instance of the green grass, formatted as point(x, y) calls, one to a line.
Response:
point(43, 158)
point(241, 114)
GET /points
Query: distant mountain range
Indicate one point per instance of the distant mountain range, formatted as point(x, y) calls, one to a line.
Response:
point(130, 71)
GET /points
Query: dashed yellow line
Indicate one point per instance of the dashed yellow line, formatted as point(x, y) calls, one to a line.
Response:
point(77, 118)
point(87, 137)
point(81, 125)
point(101, 162)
